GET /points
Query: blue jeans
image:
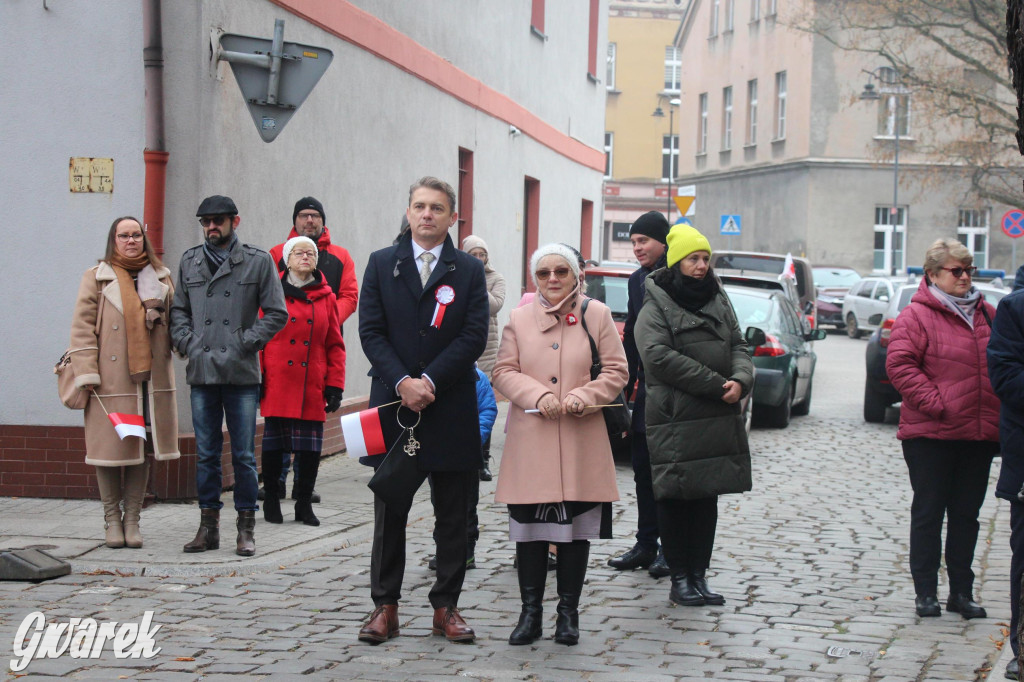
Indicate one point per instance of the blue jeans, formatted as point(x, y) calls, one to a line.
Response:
point(211, 405)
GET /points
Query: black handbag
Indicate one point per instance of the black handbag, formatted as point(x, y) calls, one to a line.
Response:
point(398, 477)
point(618, 418)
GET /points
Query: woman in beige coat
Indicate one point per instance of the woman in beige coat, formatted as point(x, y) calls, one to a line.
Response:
point(120, 351)
point(557, 474)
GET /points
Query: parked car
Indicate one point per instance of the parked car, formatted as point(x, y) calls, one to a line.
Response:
point(879, 393)
point(831, 284)
point(773, 263)
point(784, 362)
point(610, 285)
point(866, 302)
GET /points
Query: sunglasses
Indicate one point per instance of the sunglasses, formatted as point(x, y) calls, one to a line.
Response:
point(560, 273)
point(217, 220)
point(959, 272)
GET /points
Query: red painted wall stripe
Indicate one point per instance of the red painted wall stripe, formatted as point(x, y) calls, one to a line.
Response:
point(362, 29)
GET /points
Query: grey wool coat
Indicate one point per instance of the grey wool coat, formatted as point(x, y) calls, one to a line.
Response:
point(698, 442)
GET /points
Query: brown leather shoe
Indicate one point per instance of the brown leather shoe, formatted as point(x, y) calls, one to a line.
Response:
point(448, 622)
point(382, 625)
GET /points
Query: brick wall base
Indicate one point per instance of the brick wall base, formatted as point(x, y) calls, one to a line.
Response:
point(49, 461)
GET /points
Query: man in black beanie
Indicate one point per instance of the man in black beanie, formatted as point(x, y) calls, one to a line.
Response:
point(648, 235)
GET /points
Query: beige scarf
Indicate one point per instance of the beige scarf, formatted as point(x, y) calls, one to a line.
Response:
point(136, 325)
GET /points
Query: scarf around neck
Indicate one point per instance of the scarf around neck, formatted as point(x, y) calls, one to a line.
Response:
point(688, 292)
point(136, 327)
point(964, 307)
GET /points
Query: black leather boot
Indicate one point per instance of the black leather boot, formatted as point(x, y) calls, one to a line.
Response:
point(309, 464)
point(570, 573)
point(208, 535)
point(699, 582)
point(683, 592)
point(532, 567)
point(245, 543)
point(272, 484)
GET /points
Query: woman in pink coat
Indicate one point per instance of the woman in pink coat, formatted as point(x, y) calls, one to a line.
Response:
point(949, 422)
point(557, 475)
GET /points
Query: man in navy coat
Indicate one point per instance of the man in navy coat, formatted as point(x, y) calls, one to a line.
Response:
point(423, 320)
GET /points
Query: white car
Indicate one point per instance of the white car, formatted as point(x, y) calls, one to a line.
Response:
point(865, 303)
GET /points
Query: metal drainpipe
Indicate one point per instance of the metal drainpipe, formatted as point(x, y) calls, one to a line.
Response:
point(155, 155)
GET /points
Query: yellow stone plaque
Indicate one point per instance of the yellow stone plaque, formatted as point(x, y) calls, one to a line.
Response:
point(88, 174)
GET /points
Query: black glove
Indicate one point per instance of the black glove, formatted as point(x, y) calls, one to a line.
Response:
point(332, 395)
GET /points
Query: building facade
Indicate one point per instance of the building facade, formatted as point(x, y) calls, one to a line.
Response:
point(414, 89)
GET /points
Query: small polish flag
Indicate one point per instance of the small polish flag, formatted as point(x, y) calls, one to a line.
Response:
point(788, 269)
point(128, 425)
point(363, 433)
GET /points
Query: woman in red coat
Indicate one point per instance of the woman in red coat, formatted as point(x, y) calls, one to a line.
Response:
point(303, 379)
point(949, 422)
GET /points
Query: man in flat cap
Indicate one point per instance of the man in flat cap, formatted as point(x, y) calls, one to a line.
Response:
point(222, 286)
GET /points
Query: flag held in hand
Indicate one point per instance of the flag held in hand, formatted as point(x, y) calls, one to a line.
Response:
point(128, 425)
point(363, 433)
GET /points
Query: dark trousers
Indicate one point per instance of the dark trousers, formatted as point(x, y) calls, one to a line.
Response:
point(472, 519)
point(646, 508)
point(949, 478)
point(688, 533)
point(1016, 570)
point(387, 561)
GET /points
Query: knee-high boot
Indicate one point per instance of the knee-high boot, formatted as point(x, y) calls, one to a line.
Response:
point(271, 461)
point(309, 465)
point(532, 566)
point(571, 572)
point(108, 479)
point(135, 480)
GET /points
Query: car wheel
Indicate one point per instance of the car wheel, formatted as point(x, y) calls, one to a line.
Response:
point(804, 408)
point(778, 415)
point(852, 330)
point(874, 406)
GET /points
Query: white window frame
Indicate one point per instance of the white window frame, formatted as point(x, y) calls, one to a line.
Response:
point(780, 105)
point(702, 123)
point(670, 148)
point(891, 93)
point(609, 74)
point(714, 19)
point(883, 224)
point(730, 15)
point(752, 112)
point(609, 143)
point(673, 69)
point(772, 8)
point(727, 118)
point(971, 224)
point(755, 11)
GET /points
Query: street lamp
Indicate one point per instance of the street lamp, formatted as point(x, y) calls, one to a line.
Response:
point(672, 148)
point(870, 94)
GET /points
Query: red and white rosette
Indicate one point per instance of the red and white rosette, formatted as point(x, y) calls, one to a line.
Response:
point(444, 295)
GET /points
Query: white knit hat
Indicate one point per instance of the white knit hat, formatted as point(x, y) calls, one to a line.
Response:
point(295, 241)
point(554, 250)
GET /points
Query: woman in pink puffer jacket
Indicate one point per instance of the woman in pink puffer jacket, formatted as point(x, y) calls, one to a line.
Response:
point(949, 422)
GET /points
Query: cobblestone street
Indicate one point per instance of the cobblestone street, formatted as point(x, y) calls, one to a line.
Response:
point(813, 565)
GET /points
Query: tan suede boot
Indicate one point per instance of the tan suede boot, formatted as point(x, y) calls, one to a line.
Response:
point(136, 479)
point(108, 479)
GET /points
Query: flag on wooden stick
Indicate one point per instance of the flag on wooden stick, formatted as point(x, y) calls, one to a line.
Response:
point(363, 433)
point(128, 425)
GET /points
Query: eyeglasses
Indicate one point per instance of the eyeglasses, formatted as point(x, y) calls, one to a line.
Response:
point(136, 237)
point(560, 273)
point(217, 220)
point(303, 254)
point(307, 216)
point(959, 272)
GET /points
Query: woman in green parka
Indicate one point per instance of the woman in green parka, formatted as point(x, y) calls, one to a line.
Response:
point(698, 368)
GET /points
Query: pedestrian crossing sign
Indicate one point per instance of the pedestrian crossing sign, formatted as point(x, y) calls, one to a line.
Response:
point(730, 225)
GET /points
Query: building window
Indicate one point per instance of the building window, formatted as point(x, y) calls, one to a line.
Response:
point(893, 105)
point(752, 112)
point(780, 105)
point(608, 139)
point(465, 199)
point(592, 44)
point(972, 231)
point(673, 67)
point(772, 8)
point(730, 11)
point(889, 231)
point(537, 17)
point(669, 157)
point(714, 18)
point(755, 10)
point(609, 74)
point(702, 125)
point(727, 118)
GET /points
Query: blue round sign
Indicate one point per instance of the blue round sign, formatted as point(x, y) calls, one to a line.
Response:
point(1013, 223)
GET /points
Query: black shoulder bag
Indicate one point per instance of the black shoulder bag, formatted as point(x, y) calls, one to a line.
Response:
point(617, 419)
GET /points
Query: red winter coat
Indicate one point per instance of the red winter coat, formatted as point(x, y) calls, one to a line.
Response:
point(306, 356)
point(337, 267)
point(938, 364)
